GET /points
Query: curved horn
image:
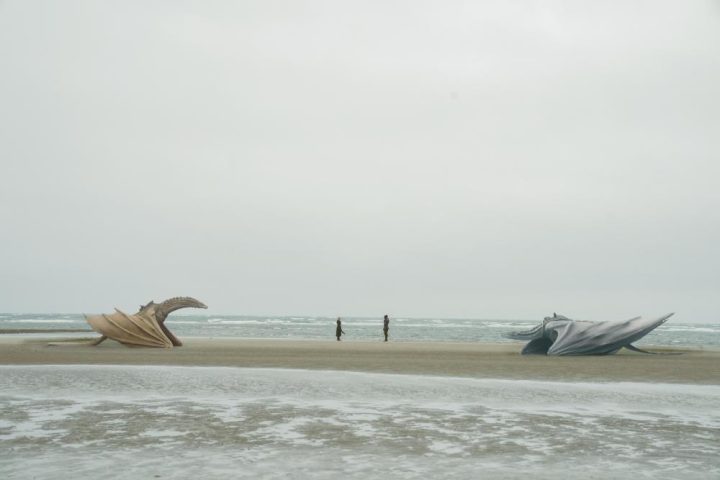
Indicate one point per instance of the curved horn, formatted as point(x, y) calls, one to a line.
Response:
point(170, 305)
point(176, 303)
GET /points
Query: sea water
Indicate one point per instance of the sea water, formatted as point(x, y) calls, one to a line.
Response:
point(127, 422)
point(401, 329)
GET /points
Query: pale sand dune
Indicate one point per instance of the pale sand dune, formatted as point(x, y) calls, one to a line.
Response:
point(434, 358)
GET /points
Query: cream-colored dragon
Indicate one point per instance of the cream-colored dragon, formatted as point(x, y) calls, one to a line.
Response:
point(146, 328)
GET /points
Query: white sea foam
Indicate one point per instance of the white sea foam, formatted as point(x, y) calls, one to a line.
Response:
point(691, 329)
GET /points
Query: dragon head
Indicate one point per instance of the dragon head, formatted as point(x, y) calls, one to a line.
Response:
point(160, 312)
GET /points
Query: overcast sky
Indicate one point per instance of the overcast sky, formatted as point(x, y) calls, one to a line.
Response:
point(473, 159)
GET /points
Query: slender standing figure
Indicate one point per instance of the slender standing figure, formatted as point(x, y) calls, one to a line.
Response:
point(386, 326)
point(339, 330)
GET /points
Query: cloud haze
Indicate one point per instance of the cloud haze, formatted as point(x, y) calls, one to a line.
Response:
point(459, 159)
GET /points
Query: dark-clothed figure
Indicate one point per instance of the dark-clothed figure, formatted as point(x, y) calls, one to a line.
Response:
point(386, 326)
point(339, 330)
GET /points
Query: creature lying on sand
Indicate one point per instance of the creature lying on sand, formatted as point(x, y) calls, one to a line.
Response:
point(145, 328)
point(559, 335)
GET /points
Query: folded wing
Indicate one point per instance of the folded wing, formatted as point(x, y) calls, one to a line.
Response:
point(132, 330)
point(562, 336)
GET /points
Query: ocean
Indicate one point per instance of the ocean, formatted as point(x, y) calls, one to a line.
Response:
point(401, 329)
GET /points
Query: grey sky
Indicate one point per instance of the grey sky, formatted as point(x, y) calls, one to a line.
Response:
point(461, 159)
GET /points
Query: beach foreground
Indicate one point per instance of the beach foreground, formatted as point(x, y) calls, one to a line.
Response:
point(431, 358)
point(125, 422)
point(324, 409)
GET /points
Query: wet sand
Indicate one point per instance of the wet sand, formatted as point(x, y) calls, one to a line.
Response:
point(433, 358)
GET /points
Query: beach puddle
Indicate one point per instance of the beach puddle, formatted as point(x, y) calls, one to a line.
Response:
point(273, 423)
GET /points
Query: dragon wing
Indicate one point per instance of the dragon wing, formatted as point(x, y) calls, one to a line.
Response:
point(132, 330)
point(598, 338)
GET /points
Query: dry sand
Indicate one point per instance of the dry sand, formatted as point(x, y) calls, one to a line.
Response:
point(434, 358)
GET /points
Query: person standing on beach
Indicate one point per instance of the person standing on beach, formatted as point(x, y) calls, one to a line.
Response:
point(339, 330)
point(386, 326)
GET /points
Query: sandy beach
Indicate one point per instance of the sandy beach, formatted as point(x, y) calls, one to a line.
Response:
point(433, 358)
point(455, 409)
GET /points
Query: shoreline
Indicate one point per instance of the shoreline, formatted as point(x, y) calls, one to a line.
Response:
point(16, 331)
point(477, 360)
